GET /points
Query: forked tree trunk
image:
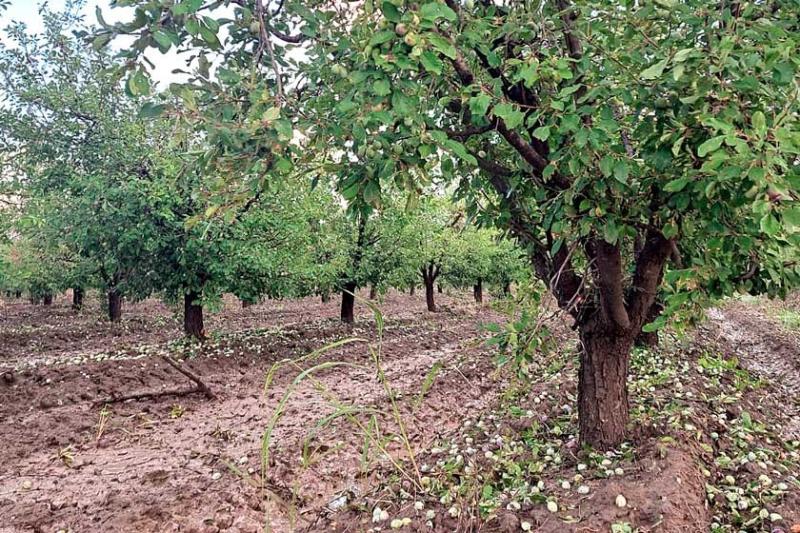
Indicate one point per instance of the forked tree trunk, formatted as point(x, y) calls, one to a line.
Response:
point(348, 302)
point(429, 295)
point(193, 316)
point(603, 387)
point(48, 299)
point(114, 305)
point(477, 291)
point(77, 298)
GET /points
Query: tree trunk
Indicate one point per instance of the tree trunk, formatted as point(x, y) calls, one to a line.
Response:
point(348, 302)
point(649, 339)
point(603, 387)
point(18, 294)
point(477, 291)
point(325, 297)
point(114, 305)
point(507, 288)
point(48, 299)
point(373, 292)
point(412, 290)
point(77, 298)
point(429, 295)
point(193, 316)
point(439, 288)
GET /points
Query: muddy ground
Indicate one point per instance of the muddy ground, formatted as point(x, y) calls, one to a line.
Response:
point(186, 463)
point(76, 460)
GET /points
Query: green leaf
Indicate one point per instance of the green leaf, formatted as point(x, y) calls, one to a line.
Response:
point(151, 110)
point(479, 105)
point(402, 104)
point(432, 63)
point(101, 41)
point(607, 165)
point(512, 116)
point(441, 44)
point(621, 172)
point(186, 6)
point(759, 122)
point(654, 71)
point(434, 10)
point(390, 12)
point(382, 87)
point(676, 185)
point(542, 133)
point(138, 84)
point(770, 225)
point(710, 145)
point(382, 37)
point(611, 232)
point(273, 113)
point(791, 217)
point(372, 193)
point(163, 40)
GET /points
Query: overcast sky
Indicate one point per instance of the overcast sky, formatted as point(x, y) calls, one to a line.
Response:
point(28, 11)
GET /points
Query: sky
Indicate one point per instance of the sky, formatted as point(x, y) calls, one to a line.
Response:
point(28, 11)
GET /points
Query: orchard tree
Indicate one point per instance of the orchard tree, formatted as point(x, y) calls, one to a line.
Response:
point(609, 139)
point(628, 147)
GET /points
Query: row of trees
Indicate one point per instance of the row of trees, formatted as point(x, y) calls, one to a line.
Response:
point(631, 149)
point(114, 201)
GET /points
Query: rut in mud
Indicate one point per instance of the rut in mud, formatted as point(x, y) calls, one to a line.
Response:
point(752, 332)
point(185, 463)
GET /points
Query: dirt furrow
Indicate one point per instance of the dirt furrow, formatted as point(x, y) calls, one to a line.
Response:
point(767, 349)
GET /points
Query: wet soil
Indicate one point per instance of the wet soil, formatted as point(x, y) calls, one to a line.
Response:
point(185, 463)
point(182, 462)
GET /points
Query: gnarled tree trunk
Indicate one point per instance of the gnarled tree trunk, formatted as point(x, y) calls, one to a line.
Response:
point(114, 305)
point(77, 298)
point(193, 316)
point(603, 387)
point(429, 274)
